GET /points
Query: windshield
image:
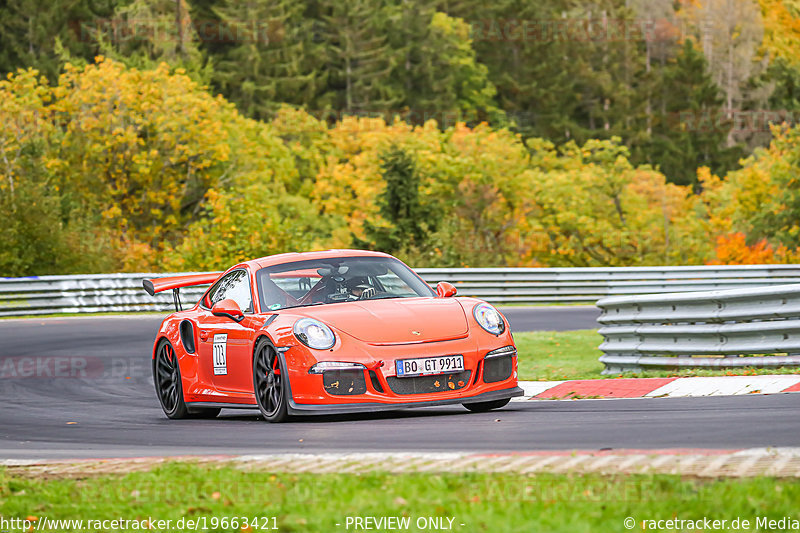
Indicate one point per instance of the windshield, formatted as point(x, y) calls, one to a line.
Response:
point(328, 281)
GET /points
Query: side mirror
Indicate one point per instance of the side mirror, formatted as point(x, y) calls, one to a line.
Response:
point(445, 290)
point(228, 308)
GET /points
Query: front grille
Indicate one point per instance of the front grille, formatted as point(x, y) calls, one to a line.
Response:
point(497, 369)
point(344, 382)
point(426, 384)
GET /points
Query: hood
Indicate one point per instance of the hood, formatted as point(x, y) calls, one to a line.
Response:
point(395, 321)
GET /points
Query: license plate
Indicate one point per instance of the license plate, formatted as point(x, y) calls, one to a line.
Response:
point(429, 365)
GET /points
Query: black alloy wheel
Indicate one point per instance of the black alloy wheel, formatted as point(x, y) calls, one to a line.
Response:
point(167, 377)
point(169, 389)
point(269, 382)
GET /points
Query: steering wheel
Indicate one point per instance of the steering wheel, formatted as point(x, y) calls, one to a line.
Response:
point(340, 297)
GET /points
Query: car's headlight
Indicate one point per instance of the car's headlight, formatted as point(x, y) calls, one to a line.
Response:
point(314, 334)
point(324, 366)
point(489, 319)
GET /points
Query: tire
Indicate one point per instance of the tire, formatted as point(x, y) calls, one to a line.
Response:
point(167, 380)
point(482, 407)
point(269, 383)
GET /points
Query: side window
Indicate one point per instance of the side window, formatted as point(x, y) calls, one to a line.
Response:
point(235, 286)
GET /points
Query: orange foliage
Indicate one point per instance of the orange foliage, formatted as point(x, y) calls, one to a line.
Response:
point(732, 249)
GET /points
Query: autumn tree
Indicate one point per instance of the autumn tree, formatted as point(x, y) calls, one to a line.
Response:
point(41, 234)
point(732, 249)
point(140, 148)
point(123, 155)
point(781, 23)
point(467, 176)
point(260, 208)
point(593, 208)
point(775, 171)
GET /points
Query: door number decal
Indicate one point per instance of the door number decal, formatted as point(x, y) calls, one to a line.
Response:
point(221, 354)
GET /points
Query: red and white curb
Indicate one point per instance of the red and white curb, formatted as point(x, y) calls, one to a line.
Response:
point(583, 389)
point(775, 462)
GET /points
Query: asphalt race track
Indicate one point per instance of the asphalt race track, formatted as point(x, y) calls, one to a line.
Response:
point(113, 412)
point(551, 318)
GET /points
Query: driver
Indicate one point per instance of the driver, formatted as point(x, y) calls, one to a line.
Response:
point(359, 287)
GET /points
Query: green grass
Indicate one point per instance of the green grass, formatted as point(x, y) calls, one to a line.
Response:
point(558, 355)
point(481, 502)
point(555, 355)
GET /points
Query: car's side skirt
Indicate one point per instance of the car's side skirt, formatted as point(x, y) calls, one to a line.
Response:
point(222, 405)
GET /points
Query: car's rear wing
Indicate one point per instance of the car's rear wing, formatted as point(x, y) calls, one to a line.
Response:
point(156, 285)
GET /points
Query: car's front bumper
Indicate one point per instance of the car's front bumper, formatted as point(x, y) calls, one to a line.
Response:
point(314, 409)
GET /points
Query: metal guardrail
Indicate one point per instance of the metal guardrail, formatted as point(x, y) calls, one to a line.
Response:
point(714, 329)
point(123, 292)
point(587, 285)
point(91, 293)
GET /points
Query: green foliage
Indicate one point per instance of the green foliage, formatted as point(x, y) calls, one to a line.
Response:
point(436, 69)
point(560, 70)
point(35, 237)
point(31, 33)
point(536, 85)
point(402, 58)
point(272, 58)
point(399, 206)
point(146, 33)
point(691, 128)
point(358, 59)
point(785, 97)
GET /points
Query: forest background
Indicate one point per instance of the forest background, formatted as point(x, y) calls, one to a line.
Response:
point(177, 135)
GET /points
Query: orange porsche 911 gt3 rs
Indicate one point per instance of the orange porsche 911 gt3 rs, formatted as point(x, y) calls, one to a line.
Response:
point(337, 331)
